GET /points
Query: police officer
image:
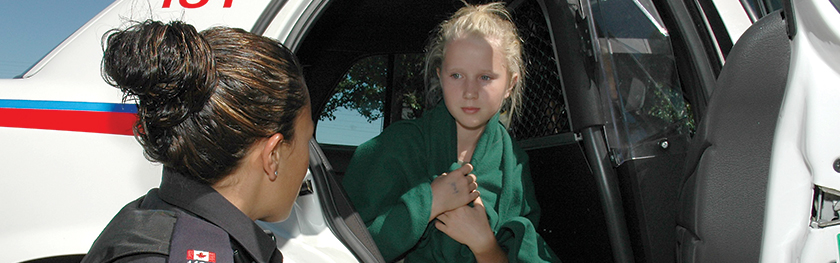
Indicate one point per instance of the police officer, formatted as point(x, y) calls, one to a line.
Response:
point(227, 113)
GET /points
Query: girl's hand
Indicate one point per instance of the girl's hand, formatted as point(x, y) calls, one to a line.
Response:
point(453, 190)
point(469, 226)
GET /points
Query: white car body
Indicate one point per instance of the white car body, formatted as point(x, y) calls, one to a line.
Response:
point(806, 146)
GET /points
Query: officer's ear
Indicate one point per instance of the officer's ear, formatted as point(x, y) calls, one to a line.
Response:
point(270, 155)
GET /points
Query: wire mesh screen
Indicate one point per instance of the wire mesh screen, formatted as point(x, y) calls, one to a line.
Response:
point(543, 108)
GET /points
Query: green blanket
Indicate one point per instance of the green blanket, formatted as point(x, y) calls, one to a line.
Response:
point(389, 182)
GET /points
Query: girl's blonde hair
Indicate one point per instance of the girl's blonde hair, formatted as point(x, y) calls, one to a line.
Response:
point(491, 21)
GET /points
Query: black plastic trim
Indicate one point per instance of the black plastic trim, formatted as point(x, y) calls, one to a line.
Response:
point(547, 141)
point(719, 31)
point(594, 145)
point(789, 15)
point(575, 59)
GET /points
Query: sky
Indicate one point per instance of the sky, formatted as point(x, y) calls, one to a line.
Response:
point(29, 29)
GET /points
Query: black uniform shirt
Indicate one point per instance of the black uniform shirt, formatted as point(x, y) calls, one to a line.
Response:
point(181, 193)
point(203, 201)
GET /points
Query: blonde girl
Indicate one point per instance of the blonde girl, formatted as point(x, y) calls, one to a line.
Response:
point(453, 186)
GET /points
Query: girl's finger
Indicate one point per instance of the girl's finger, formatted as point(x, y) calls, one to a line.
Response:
point(477, 202)
point(441, 226)
point(464, 170)
point(443, 218)
point(475, 194)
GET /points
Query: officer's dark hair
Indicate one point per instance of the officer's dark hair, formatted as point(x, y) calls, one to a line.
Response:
point(203, 98)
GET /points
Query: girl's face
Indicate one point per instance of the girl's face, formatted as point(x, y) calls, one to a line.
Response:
point(475, 80)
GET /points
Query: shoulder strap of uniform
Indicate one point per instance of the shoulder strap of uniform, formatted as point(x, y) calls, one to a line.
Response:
point(134, 231)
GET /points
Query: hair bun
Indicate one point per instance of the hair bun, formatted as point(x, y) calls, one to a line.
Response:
point(168, 67)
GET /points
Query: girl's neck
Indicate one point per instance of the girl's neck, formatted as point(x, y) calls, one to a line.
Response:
point(467, 140)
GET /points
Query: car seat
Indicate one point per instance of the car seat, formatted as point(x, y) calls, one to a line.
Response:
point(721, 206)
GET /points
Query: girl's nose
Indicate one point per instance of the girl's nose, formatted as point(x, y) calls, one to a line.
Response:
point(471, 90)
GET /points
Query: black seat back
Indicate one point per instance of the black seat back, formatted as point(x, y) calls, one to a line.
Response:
point(723, 196)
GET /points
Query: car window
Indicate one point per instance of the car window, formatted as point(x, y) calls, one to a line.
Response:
point(638, 73)
point(836, 4)
point(356, 112)
point(31, 29)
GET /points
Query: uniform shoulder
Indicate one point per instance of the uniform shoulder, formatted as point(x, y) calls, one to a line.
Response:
point(134, 231)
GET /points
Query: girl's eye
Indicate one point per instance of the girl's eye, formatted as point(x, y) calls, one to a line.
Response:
point(485, 77)
point(456, 76)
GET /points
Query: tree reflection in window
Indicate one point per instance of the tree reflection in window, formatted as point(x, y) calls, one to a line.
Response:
point(365, 88)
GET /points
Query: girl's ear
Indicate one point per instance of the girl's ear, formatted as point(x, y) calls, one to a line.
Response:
point(513, 80)
point(270, 155)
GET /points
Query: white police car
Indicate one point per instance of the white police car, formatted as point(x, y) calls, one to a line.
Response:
point(652, 137)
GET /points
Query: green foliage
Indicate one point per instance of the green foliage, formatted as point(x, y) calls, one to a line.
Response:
point(669, 106)
point(410, 85)
point(363, 87)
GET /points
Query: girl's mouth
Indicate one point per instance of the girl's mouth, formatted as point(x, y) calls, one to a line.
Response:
point(470, 110)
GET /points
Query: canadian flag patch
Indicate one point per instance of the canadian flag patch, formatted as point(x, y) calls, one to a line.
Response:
point(201, 256)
